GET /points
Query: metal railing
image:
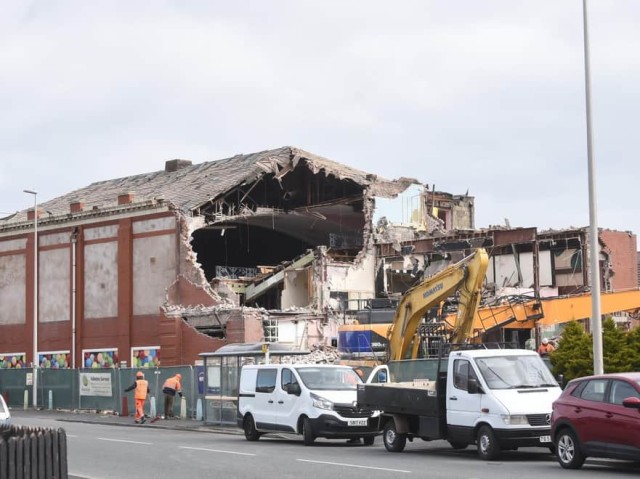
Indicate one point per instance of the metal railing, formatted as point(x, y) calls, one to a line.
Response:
point(33, 452)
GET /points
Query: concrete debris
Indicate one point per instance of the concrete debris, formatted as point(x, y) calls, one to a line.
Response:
point(321, 354)
point(201, 310)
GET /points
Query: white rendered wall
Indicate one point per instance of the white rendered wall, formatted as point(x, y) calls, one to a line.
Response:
point(154, 269)
point(54, 290)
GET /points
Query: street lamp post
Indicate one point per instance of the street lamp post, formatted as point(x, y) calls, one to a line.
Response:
point(594, 244)
point(35, 296)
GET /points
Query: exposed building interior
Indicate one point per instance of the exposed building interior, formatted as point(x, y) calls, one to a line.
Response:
point(258, 228)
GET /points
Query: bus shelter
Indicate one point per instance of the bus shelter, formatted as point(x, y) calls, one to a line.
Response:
point(222, 375)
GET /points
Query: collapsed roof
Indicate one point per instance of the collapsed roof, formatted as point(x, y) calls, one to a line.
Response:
point(193, 188)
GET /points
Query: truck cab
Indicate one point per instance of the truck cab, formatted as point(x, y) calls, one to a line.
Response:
point(499, 399)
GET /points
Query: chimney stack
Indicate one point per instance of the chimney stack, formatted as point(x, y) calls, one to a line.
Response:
point(30, 215)
point(125, 198)
point(174, 165)
point(76, 206)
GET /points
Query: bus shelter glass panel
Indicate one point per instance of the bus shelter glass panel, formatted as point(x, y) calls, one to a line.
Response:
point(229, 379)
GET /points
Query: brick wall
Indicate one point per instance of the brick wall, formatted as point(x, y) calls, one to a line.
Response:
point(624, 258)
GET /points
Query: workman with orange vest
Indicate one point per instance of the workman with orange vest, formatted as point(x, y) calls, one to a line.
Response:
point(141, 391)
point(546, 347)
point(170, 388)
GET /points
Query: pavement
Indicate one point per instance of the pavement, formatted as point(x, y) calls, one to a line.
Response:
point(114, 419)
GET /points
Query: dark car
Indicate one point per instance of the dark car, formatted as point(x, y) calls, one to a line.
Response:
point(597, 416)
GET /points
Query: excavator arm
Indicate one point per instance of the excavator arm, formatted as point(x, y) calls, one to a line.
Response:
point(470, 296)
point(466, 275)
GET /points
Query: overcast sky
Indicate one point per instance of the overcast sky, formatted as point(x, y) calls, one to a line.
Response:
point(480, 96)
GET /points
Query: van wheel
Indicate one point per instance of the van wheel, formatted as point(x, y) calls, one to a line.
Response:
point(369, 440)
point(458, 445)
point(568, 450)
point(307, 432)
point(488, 447)
point(393, 441)
point(250, 431)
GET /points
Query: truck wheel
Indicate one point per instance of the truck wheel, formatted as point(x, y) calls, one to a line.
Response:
point(488, 447)
point(369, 440)
point(250, 431)
point(393, 441)
point(307, 432)
point(568, 450)
point(458, 445)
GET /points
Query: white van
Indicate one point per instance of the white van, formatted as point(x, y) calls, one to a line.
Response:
point(314, 400)
point(5, 415)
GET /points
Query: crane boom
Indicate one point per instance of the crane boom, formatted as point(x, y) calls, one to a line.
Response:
point(467, 276)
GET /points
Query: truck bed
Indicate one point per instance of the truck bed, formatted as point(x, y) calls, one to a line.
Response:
point(415, 398)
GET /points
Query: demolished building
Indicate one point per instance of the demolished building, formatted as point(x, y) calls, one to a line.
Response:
point(278, 245)
point(524, 265)
point(165, 265)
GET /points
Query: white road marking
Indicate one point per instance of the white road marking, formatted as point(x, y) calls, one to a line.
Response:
point(81, 474)
point(217, 450)
point(354, 465)
point(71, 435)
point(124, 440)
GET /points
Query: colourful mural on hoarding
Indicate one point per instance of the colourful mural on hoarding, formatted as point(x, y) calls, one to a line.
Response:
point(145, 357)
point(13, 361)
point(105, 358)
point(55, 360)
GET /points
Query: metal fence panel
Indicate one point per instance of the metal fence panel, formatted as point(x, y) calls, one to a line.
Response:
point(60, 385)
point(60, 388)
point(13, 383)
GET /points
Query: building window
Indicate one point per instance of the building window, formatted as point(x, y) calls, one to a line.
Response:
point(270, 328)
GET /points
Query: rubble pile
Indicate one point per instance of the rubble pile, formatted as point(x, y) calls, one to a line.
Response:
point(320, 354)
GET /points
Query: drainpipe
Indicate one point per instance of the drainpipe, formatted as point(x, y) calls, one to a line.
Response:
point(74, 241)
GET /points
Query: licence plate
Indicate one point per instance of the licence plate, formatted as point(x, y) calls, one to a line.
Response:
point(358, 422)
point(545, 438)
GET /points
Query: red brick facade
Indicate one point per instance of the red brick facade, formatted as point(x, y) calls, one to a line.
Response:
point(624, 258)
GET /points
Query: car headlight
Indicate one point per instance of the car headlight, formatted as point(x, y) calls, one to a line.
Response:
point(516, 420)
point(320, 402)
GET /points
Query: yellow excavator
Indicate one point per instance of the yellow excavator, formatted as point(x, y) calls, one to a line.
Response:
point(465, 277)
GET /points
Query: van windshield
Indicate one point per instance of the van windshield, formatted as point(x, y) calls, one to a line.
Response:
point(515, 372)
point(335, 379)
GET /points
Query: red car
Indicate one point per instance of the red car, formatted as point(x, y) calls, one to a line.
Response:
point(597, 416)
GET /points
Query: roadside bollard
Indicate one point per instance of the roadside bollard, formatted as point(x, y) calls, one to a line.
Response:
point(183, 408)
point(50, 399)
point(199, 410)
point(26, 399)
point(152, 407)
point(125, 406)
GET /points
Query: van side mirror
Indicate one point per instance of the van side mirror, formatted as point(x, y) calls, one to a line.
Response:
point(293, 388)
point(473, 387)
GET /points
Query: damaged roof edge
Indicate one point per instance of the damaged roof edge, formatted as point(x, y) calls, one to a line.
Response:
point(377, 185)
point(392, 188)
point(280, 162)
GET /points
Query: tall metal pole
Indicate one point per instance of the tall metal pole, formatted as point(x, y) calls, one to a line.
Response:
point(35, 296)
point(594, 244)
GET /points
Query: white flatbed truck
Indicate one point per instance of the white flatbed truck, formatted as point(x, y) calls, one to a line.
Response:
point(497, 399)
